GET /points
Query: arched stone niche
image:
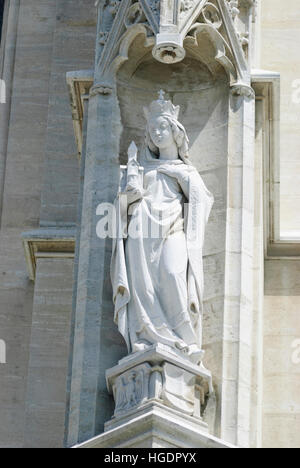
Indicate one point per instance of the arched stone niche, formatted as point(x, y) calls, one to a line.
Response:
point(218, 112)
point(202, 91)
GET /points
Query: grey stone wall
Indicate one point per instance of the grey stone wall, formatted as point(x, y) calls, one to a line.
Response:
point(40, 188)
point(49, 348)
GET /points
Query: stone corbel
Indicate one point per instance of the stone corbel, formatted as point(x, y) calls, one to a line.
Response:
point(79, 84)
point(242, 89)
point(102, 89)
point(47, 243)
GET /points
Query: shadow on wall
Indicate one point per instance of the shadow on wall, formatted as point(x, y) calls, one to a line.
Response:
point(2, 2)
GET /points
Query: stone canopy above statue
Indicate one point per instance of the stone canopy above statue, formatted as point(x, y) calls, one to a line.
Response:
point(173, 31)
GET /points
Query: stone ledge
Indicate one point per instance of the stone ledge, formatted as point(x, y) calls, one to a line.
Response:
point(47, 243)
point(157, 427)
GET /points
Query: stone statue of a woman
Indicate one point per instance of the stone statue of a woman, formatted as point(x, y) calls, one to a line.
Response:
point(157, 271)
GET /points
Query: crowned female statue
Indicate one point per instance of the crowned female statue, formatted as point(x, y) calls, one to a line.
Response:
point(157, 271)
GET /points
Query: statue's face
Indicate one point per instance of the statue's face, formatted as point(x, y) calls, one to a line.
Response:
point(161, 132)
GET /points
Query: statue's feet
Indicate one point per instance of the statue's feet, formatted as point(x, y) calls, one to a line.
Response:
point(139, 347)
point(195, 354)
point(181, 346)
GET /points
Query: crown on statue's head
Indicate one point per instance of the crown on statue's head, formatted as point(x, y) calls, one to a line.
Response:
point(161, 107)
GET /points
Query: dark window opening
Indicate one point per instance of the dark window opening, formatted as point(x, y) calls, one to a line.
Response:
point(1, 15)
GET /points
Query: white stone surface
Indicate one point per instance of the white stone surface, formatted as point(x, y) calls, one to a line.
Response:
point(280, 32)
point(281, 355)
point(157, 427)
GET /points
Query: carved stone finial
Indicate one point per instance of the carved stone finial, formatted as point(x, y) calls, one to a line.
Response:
point(132, 151)
point(161, 95)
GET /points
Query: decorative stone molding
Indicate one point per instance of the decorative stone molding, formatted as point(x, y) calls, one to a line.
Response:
point(47, 243)
point(243, 13)
point(103, 36)
point(211, 16)
point(233, 8)
point(134, 16)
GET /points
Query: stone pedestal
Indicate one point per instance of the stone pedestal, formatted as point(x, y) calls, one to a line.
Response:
point(160, 402)
point(158, 375)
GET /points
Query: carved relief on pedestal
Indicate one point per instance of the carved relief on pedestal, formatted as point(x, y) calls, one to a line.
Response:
point(169, 384)
point(131, 389)
point(182, 387)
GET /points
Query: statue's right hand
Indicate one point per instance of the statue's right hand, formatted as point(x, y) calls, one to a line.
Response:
point(132, 194)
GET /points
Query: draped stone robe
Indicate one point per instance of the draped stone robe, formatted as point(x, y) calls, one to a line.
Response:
point(157, 271)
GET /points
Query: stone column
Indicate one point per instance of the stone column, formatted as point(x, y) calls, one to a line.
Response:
point(97, 344)
point(238, 310)
point(7, 71)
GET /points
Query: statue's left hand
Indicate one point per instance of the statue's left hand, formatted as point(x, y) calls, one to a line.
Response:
point(177, 172)
point(181, 174)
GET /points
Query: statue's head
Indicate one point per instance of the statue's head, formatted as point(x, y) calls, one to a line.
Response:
point(163, 128)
